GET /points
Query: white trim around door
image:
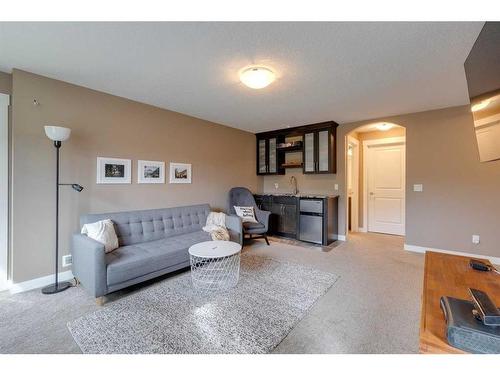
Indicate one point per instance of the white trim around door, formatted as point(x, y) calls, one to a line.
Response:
point(354, 171)
point(4, 190)
point(366, 145)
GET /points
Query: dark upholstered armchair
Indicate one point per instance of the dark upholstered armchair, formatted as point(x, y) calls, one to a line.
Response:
point(240, 196)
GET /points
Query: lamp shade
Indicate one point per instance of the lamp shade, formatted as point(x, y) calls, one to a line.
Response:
point(57, 133)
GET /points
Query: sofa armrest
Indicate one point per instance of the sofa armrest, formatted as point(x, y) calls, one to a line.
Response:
point(235, 228)
point(89, 264)
point(263, 217)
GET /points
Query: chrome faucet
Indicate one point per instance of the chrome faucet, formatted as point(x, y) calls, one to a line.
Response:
point(293, 182)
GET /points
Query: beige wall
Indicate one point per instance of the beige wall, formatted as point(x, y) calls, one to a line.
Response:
point(106, 125)
point(307, 184)
point(5, 83)
point(461, 195)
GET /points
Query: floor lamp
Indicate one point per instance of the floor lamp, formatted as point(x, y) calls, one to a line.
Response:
point(58, 134)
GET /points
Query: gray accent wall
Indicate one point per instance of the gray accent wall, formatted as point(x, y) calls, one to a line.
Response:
point(110, 126)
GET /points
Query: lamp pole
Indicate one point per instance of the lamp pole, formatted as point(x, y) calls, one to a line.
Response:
point(57, 287)
point(58, 134)
point(57, 144)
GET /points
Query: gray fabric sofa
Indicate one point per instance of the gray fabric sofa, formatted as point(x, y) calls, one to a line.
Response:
point(152, 243)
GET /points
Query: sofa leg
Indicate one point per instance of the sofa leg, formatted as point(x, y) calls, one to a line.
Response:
point(267, 241)
point(100, 301)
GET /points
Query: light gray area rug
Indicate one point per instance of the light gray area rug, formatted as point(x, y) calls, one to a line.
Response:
point(254, 317)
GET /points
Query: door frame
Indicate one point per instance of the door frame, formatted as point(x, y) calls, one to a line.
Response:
point(366, 145)
point(356, 159)
point(4, 189)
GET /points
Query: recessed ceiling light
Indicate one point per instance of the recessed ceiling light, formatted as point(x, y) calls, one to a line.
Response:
point(384, 126)
point(480, 105)
point(257, 77)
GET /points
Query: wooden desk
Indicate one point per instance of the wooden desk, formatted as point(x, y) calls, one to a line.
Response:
point(448, 275)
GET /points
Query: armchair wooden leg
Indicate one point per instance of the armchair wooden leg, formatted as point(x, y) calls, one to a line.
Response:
point(267, 241)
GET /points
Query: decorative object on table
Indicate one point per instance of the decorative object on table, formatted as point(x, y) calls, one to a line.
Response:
point(247, 214)
point(180, 173)
point(113, 171)
point(260, 311)
point(103, 231)
point(216, 226)
point(150, 172)
point(215, 265)
point(465, 331)
point(242, 197)
point(58, 134)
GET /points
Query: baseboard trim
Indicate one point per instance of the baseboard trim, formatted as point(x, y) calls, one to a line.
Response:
point(341, 237)
point(362, 230)
point(39, 282)
point(421, 249)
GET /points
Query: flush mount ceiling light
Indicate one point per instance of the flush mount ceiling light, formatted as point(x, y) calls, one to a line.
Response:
point(384, 126)
point(257, 77)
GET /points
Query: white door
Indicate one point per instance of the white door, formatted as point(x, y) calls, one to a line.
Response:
point(386, 188)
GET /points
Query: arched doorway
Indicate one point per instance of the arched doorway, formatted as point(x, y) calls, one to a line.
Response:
point(375, 183)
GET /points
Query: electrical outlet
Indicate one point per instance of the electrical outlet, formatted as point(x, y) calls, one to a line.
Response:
point(336, 186)
point(418, 187)
point(475, 239)
point(276, 186)
point(67, 260)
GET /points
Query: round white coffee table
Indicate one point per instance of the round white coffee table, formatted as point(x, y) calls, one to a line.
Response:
point(215, 265)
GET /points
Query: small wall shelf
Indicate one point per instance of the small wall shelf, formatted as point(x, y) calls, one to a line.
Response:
point(292, 165)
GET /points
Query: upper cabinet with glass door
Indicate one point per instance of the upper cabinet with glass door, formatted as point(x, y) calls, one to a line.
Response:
point(319, 151)
point(317, 147)
point(268, 159)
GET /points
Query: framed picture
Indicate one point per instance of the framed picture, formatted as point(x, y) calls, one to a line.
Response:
point(150, 172)
point(113, 171)
point(180, 173)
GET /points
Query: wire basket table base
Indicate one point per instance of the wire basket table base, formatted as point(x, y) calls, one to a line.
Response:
point(213, 274)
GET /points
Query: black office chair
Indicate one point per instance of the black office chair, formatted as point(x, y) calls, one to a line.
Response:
point(240, 196)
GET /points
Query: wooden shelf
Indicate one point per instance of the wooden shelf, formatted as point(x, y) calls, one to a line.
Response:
point(291, 165)
point(291, 149)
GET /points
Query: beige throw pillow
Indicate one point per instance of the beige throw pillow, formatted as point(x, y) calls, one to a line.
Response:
point(247, 214)
point(104, 232)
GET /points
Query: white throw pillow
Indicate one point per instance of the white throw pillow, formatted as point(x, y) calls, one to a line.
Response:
point(247, 214)
point(104, 232)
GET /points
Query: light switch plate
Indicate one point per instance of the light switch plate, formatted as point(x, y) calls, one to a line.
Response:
point(475, 239)
point(418, 187)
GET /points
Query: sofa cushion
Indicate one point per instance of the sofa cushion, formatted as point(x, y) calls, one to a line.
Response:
point(102, 231)
point(250, 226)
point(136, 227)
point(132, 261)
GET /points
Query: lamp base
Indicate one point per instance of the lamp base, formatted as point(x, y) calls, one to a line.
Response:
point(56, 288)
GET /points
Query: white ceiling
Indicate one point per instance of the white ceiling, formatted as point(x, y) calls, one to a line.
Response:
point(327, 71)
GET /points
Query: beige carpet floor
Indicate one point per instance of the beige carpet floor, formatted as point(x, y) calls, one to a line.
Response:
point(374, 307)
